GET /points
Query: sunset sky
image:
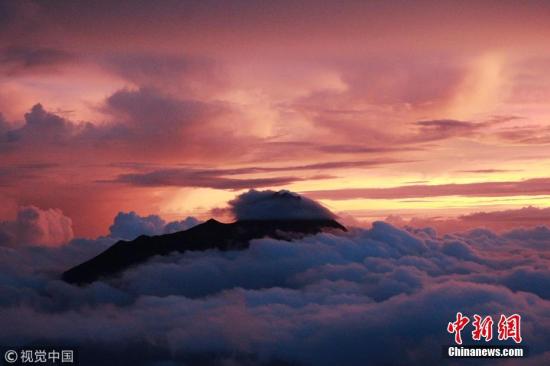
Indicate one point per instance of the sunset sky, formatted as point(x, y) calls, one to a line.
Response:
point(408, 110)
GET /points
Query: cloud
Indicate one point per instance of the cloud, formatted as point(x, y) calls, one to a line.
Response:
point(21, 60)
point(221, 178)
point(267, 205)
point(444, 128)
point(181, 225)
point(162, 130)
point(43, 127)
point(499, 221)
point(360, 149)
point(129, 225)
point(4, 126)
point(527, 135)
point(35, 226)
point(15, 174)
point(136, 118)
point(526, 215)
point(148, 107)
point(200, 178)
point(529, 187)
point(488, 171)
point(50, 228)
point(321, 300)
point(182, 74)
point(529, 280)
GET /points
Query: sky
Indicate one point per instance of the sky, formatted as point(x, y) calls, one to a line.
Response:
point(431, 112)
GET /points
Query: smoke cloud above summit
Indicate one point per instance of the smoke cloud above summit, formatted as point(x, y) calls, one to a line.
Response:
point(281, 205)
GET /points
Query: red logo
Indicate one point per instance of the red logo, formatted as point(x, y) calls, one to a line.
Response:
point(457, 326)
point(483, 328)
point(508, 327)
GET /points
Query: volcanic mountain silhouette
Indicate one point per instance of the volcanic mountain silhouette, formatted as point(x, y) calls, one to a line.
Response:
point(211, 234)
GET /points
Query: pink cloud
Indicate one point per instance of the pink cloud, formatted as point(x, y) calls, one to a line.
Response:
point(34, 226)
point(499, 221)
point(535, 186)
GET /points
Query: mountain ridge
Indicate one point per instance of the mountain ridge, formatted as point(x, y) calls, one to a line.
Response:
point(211, 234)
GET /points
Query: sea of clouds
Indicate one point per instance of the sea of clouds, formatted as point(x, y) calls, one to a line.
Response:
point(370, 296)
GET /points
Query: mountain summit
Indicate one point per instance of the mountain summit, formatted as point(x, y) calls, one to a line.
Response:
point(208, 235)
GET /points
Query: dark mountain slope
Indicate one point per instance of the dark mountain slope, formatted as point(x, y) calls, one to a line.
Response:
point(209, 235)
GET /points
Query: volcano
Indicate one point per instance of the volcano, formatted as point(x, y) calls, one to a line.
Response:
point(211, 234)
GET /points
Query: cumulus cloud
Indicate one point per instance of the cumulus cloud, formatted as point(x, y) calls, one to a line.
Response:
point(269, 205)
point(42, 126)
point(129, 225)
point(35, 226)
point(144, 106)
point(175, 226)
point(137, 118)
point(321, 300)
